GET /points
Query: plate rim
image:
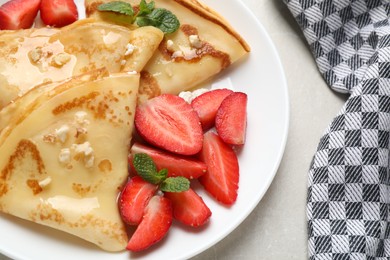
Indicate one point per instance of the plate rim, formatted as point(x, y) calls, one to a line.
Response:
point(281, 149)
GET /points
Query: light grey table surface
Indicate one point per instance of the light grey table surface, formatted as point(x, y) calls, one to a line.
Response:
point(276, 229)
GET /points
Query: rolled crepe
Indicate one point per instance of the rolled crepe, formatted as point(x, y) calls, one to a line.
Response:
point(204, 45)
point(34, 56)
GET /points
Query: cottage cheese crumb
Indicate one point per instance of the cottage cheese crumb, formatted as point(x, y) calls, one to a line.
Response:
point(60, 59)
point(84, 148)
point(64, 156)
point(89, 161)
point(35, 54)
point(188, 96)
point(195, 41)
point(80, 118)
point(129, 49)
point(189, 54)
point(86, 152)
point(170, 45)
point(177, 54)
point(62, 133)
point(45, 182)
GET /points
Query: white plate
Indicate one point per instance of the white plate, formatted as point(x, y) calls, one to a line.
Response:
point(261, 77)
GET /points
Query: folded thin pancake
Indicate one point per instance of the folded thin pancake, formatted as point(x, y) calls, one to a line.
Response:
point(60, 165)
point(34, 56)
point(204, 45)
point(20, 104)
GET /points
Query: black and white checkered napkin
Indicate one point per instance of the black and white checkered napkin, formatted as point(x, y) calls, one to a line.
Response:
point(349, 180)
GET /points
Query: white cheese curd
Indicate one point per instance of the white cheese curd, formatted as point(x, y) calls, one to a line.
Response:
point(129, 49)
point(177, 54)
point(85, 150)
point(62, 133)
point(45, 182)
point(61, 59)
point(195, 41)
point(80, 117)
point(64, 156)
point(189, 54)
point(35, 54)
point(170, 46)
point(188, 96)
point(89, 161)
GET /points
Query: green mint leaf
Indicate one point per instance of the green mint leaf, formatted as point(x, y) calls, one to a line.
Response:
point(117, 7)
point(162, 174)
point(147, 169)
point(145, 8)
point(175, 184)
point(161, 18)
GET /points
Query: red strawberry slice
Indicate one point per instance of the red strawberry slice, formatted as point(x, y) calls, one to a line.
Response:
point(134, 198)
point(18, 14)
point(169, 122)
point(221, 179)
point(189, 208)
point(230, 120)
point(154, 225)
point(207, 104)
point(58, 13)
point(175, 164)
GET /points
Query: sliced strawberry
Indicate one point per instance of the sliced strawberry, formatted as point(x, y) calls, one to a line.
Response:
point(18, 14)
point(207, 104)
point(221, 179)
point(58, 13)
point(169, 122)
point(189, 208)
point(230, 120)
point(134, 198)
point(154, 225)
point(175, 164)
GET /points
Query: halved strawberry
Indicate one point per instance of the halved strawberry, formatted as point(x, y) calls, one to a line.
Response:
point(221, 179)
point(169, 122)
point(230, 120)
point(134, 198)
point(175, 164)
point(207, 104)
point(189, 208)
point(154, 225)
point(58, 13)
point(18, 14)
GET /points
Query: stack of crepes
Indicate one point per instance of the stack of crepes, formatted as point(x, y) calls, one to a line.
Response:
point(67, 100)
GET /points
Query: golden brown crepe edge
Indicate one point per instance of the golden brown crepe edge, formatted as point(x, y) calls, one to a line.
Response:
point(214, 17)
point(196, 7)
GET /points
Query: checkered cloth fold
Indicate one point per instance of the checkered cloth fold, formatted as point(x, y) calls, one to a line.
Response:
point(349, 192)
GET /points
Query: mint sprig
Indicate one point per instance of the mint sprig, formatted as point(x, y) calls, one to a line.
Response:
point(147, 169)
point(147, 15)
point(145, 8)
point(161, 19)
point(175, 184)
point(117, 7)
